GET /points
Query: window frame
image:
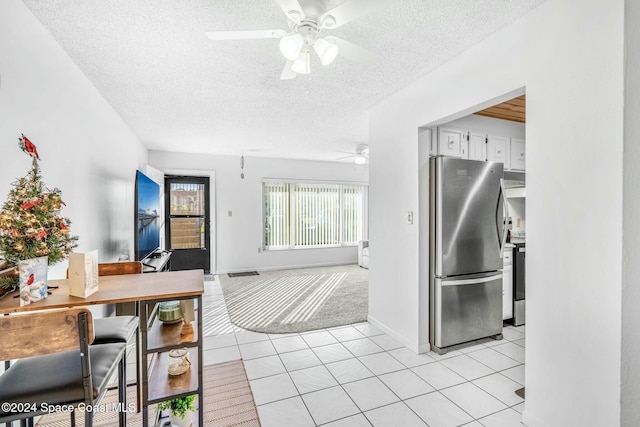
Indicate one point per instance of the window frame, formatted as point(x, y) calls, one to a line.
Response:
point(293, 218)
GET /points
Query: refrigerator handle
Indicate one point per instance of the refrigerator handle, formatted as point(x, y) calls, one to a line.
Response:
point(458, 282)
point(505, 218)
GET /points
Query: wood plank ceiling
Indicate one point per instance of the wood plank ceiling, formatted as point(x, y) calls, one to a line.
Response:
point(513, 110)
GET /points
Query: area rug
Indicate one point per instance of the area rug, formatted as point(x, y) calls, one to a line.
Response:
point(228, 402)
point(297, 300)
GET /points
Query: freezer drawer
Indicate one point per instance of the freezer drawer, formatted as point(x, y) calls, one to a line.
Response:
point(466, 308)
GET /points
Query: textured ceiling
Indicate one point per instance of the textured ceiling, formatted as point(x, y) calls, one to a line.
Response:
point(180, 91)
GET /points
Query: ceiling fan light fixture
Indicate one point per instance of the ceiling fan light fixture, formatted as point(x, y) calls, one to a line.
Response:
point(326, 50)
point(360, 160)
point(302, 64)
point(291, 45)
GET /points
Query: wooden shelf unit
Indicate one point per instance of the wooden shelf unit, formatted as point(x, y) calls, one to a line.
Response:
point(156, 340)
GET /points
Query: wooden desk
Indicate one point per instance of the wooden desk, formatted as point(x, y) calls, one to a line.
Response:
point(115, 289)
point(145, 290)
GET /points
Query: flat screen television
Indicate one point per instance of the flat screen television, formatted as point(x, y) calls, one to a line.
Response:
point(147, 217)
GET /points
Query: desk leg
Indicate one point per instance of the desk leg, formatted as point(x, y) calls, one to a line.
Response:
point(200, 363)
point(138, 360)
point(143, 386)
point(7, 364)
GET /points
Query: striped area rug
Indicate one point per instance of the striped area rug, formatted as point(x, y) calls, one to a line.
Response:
point(297, 300)
point(228, 402)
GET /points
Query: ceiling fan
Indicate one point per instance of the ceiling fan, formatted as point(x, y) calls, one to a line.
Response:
point(360, 155)
point(308, 20)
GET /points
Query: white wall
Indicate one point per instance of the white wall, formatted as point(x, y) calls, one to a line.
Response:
point(239, 236)
point(86, 149)
point(630, 392)
point(568, 54)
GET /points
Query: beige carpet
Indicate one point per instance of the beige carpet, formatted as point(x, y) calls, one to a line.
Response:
point(297, 300)
point(228, 402)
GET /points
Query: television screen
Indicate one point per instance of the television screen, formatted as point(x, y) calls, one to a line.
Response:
point(147, 206)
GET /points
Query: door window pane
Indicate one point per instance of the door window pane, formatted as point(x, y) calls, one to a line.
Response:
point(186, 199)
point(187, 233)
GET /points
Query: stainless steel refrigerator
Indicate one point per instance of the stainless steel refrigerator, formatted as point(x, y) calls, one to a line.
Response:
point(467, 234)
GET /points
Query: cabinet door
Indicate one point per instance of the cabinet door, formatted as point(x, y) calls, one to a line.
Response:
point(517, 154)
point(497, 147)
point(477, 146)
point(452, 142)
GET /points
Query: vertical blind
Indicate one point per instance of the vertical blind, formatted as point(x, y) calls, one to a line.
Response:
point(313, 214)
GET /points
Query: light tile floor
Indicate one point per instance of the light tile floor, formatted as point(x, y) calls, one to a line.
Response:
point(355, 376)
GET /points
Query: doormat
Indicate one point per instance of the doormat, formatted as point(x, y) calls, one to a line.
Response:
point(243, 273)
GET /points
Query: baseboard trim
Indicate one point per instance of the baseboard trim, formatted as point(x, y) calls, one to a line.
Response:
point(400, 338)
point(287, 267)
point(531, 421)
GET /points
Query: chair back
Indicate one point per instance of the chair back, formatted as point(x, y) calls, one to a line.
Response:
point(44, 332)
point(115, 268)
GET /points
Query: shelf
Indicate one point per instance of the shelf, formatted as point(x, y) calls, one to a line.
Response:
point(515, 193)
point(163, 386)
point(162, 335)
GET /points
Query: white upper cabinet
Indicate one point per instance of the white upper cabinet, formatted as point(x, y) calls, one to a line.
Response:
point(477, 146)
point(498, 150)
point(452, 142)
point(517, 154)
point(473, 145)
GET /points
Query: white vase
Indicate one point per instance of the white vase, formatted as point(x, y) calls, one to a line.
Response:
point(181, 422)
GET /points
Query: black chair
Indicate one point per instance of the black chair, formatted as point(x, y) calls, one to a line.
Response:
point(56, 365)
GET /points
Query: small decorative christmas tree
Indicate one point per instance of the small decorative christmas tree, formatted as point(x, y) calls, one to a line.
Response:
point(30, 221)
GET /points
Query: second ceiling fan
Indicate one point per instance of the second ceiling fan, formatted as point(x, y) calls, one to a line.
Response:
point(308, 21)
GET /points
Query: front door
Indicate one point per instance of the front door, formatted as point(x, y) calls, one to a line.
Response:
point(187, 227)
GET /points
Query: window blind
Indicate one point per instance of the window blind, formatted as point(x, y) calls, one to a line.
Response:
point(305, 214)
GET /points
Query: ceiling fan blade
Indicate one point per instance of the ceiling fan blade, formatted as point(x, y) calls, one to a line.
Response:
point(348, 11)
point(288, 73)
point(245, 34)
point(354, 52)
point(291, 5)
point(345, 157)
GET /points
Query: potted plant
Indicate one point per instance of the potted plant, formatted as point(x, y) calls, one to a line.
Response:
point(180, 410)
